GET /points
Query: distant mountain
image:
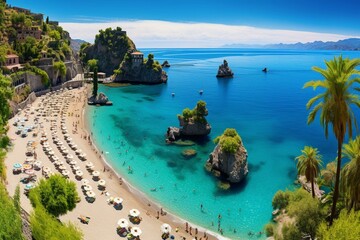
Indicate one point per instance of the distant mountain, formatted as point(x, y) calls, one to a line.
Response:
point(76, 43)
point(350, 44)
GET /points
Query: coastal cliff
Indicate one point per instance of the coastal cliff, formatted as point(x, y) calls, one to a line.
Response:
point(224, 70)
point(136, 70)
point(110, 48)
point(192, 122)
point(229, 157)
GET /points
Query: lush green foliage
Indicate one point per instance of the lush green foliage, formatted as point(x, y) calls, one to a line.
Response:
point(269, 229)
point(60, 68)
point(92, 64)
point(291, 232)
point(229, 141)
point(346, 227)
point(340, 79)
point(309, 165)
point(45, 227)
point(56, 194)
point(44, 76)
point(328, 175)
point(281, 199)
point(6, 92)
point(350, 175)
point(2, 165)
point(197, 114)
point(10, 220)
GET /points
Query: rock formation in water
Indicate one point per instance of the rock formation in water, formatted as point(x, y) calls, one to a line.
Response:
point(134, 69)
point(192, 122)
point(224, 71)
point(165, 64)
point(229, 158)
point(100, 99)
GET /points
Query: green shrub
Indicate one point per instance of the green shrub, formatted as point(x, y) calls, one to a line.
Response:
point(44, 227)
point(56, 194)
point(269, 229)
point(229, 141)
point(281, 200)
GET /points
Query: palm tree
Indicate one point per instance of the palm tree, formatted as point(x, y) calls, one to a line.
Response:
point(309, 165)
point(350, 179)
point(334, 105)
point(328, 174)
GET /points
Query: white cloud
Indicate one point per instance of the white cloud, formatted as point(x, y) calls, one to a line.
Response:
point(153, 33)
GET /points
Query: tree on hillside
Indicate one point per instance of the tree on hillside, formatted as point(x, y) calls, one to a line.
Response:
point(346, 227)
point(56, 194)
point(309, 165)
point(93, 66)
point(44, 227)
point(59, 68)
point(11, 225)
point(6, 92)
point(328, 175)
point(350, 175)
point(334, 105)
point(229, 141)
point(47, 20)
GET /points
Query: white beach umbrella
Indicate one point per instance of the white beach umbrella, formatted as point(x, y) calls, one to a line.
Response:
point(51, 153)
point(79, 173)
point(59, 143)
point(96, 173)
point(102, 182)
point(165, 228)
point(87, 188)
point(73, 162)
point(90, 194)
point(78, 151)
point(70, 157)
point(118, 200)
point(75, 167)
point(65, 172)
point(62, 148)
point(89, 165)
point(65, 151)
point(84, 182)
point(46, 169)
point(123, 223)
point(74, 147)
point(62, 167)
point(69, 139)
point(136, 231)
point(134, 212)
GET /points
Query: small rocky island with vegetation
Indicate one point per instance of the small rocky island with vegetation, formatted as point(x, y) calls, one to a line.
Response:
point(193, 123)
point(224, 71)
point(229, 158)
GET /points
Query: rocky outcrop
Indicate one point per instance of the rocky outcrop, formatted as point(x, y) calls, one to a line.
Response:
point(224, 71)
point(100, 99)
point(232, 166)
point(110, 48)
point(142, 74)
point(165, 64)
point(193, 128)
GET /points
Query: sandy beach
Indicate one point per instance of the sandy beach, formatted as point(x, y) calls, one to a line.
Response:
point(69, 119)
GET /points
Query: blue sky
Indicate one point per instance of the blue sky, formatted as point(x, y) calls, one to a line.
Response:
point(319, 16)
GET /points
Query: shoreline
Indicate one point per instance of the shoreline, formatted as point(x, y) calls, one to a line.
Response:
point(143, 199)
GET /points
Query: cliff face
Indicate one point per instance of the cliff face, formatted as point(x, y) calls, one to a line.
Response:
point(143, 73)
point(232, 166)
point(109, 49)
point(194, 128)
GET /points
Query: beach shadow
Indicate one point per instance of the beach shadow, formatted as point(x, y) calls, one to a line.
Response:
point(118, 207)
point(89, 199)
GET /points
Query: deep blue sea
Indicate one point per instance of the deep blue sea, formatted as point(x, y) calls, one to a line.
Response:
point(267, 109)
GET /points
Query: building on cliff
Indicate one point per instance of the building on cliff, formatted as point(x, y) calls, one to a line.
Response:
point(34, 32)
point(12, 62)
point(137, 58)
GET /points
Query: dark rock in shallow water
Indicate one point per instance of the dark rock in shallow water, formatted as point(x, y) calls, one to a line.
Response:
point(224, 71)
point(189, 153)
point(100, 99)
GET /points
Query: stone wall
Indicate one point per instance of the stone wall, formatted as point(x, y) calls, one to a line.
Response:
point(34, 82)
point(15, 107)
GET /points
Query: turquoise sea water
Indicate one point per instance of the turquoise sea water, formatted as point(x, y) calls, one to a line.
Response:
point(267, 110)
